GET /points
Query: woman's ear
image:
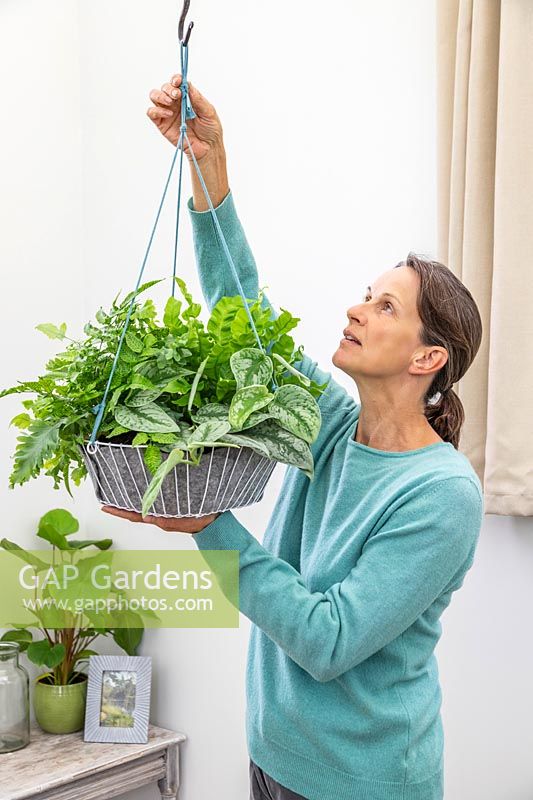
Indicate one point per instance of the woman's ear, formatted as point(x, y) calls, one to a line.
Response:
point(428, 360)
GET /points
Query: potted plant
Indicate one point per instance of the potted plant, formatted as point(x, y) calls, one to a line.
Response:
point(59, 693)
point(180, 395)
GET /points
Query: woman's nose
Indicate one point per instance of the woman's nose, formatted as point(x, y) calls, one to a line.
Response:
point(356, 314)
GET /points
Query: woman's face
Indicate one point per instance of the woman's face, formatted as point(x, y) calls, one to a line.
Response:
point(387, 325)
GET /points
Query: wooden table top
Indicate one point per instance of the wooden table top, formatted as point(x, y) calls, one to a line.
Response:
point(50, 760)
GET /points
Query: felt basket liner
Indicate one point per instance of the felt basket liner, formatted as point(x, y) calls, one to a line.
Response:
point(226, 477)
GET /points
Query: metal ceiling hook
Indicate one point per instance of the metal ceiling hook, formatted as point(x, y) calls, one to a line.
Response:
point(184, 11)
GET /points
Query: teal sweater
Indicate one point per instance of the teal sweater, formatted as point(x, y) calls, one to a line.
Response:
point(346, 590)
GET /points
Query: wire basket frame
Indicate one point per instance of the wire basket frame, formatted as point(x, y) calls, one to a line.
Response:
point(226, 477)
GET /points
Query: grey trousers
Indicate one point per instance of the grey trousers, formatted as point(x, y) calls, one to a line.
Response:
point(263, 787)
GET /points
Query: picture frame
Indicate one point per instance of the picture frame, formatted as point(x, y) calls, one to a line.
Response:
point(117, 707)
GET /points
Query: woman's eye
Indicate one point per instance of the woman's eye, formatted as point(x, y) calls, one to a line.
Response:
point(385, 304)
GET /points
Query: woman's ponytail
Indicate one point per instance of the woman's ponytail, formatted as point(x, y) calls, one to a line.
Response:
point(446, 416)
point(450, 318)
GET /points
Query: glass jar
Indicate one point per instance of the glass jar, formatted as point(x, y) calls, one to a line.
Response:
point(14, 699)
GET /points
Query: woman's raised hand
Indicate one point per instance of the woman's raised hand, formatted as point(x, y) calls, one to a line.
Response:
point(204, 131)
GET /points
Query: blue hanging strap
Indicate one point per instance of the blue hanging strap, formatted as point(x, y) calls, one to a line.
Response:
point(187, 112)
point(185, 106)
point(100, 408)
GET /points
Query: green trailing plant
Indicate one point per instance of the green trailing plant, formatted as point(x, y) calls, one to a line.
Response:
point(61, 640)
point(179, 386)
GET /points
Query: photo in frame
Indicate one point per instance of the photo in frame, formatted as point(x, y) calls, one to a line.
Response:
point(118, 699)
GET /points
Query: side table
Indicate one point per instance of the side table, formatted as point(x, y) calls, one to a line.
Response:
point(64, 767)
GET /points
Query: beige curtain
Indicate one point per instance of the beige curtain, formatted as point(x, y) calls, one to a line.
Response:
point(485, 228)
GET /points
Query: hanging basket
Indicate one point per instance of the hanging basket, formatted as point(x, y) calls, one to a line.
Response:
point(226, 477)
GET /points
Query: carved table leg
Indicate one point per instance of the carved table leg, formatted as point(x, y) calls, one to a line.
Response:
point(169, 785)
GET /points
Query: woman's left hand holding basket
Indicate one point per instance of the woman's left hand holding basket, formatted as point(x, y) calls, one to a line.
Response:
point(168, 524)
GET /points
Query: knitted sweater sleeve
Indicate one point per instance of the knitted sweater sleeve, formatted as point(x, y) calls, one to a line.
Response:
point(423, 548)
point(215, 273)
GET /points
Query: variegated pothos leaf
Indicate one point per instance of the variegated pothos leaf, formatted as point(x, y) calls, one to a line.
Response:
point(296, 411)
point(251, 366)
point(247, 400)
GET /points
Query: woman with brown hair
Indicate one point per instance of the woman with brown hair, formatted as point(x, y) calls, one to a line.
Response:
point(356, 566)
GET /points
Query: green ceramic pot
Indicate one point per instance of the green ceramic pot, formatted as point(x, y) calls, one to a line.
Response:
point(60, 709)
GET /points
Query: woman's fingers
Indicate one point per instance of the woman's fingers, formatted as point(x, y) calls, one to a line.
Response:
point(156, 113)
point(201, 105)
point(167, 524)
point(171, 92)
point(133, 516)
point(157, 96)
point(164, 106)
point(167, 104)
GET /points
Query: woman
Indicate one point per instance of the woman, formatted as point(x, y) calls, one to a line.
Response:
point(356, 567)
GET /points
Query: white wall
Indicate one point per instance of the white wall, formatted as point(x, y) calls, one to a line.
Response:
point(40, 215)
point(329, 120)
point(41, 245)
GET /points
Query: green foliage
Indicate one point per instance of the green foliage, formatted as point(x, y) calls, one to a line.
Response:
point(52, 331)
point(172, 381)
point(62, 649)
point(152, 457)
point(39, 443)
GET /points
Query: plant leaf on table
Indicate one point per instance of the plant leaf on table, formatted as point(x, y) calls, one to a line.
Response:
point(60, 648)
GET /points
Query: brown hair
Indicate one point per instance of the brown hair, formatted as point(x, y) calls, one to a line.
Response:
point(450, 319)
